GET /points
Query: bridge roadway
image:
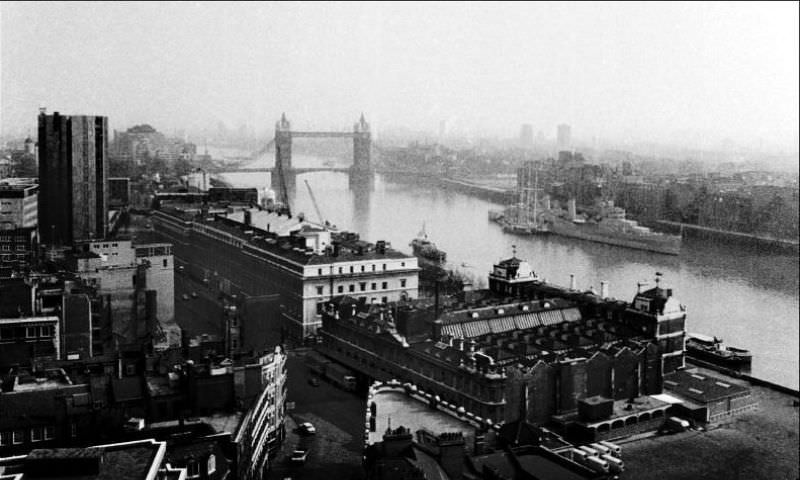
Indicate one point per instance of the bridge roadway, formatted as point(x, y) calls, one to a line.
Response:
point(304, 134)
point(293, 170)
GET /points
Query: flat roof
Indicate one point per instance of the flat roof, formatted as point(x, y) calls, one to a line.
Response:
point(122, 461)
point(701, 387)
point(395, 408)
point(276, 243)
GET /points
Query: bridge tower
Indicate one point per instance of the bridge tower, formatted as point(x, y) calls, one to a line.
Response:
point(283, 153)
point(362, 147)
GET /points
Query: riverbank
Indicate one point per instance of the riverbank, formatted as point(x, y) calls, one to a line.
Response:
point(486, 189)
point(732, 237)
point(745, 376)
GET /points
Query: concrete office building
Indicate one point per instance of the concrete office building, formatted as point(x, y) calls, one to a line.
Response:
point(18, 205)
point(73, 197)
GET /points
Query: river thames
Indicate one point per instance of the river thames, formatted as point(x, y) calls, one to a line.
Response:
point(746, 297)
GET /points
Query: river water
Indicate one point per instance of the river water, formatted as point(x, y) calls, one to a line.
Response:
point(748, 298)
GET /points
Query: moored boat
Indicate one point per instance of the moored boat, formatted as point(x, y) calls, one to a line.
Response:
point(712, 350)
point(611, 227)
point(425, 249)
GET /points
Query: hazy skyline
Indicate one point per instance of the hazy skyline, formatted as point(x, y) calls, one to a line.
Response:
point(620, 72)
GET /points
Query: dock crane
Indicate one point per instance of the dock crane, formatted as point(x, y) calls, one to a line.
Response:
point(316, 206)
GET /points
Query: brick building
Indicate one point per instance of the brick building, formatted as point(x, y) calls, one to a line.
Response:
point(558, 345)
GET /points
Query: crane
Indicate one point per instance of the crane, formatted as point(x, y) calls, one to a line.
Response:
point(314, 201)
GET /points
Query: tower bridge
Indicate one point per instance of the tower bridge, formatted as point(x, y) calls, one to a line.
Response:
point(361, 135)
point(362, 147)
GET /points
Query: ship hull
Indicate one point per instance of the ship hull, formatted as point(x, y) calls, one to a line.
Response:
point(733, 361)
point(518, 228)
point(659, 243)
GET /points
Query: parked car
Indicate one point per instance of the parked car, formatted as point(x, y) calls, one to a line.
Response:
point(299, 456)
point(314, 381)
point(185, 296)
point(307, 428)
point(194, 294)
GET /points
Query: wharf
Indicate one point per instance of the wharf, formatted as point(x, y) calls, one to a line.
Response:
point(744, 376)
point(737, 237)
point(478, 188)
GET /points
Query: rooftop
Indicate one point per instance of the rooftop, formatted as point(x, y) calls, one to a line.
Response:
point(395, 408)
point(122, 461)
point(276, 242)
point(701, 388)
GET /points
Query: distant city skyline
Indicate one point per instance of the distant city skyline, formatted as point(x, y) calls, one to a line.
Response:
point(698, 74)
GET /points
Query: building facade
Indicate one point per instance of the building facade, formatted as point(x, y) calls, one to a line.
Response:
point(305, 264)
point(18, 206)
point(73, 196)
point(262, 429)
point(559, 346)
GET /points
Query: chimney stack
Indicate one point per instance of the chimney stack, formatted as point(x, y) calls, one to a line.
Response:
point(571, 281)
point(604, 289)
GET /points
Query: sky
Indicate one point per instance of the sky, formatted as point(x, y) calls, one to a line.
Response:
point(661, 72)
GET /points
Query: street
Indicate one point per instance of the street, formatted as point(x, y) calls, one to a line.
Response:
point(336, 449)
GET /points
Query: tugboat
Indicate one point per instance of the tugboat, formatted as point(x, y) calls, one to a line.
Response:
point(427, 250)
point(711, 349)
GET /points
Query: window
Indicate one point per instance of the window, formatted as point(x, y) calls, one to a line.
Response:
point(5, 438)
point(340, 289)
point(166, 264)
point(319, 271)
point(30, 332)
point(18, 437)
point(363, 268)
point(351, 269)
point(402, 264)
point(212, 464)
point(374, 286)
point(73, 430)
point(36, 434)
point(352, 288)
point(340, 269)
point(49, 432)
point(384, 299)
point(320, 290)
point(373, 267)
point(130, 369)
point(193, 469)
point(403, 283)
point(363, 286)
point(384, 266)
point(384, 285)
